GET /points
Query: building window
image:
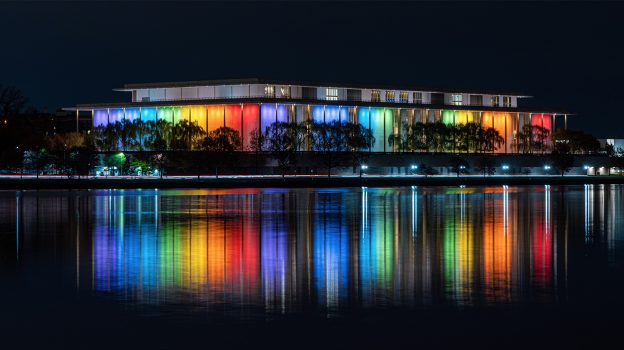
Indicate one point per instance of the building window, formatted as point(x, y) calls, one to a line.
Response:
point(389, 96)
point(457, 99)
point(375, 96)
point(331, 94)
point(269, 91)
point(418, 98)
point(308, 93)
point(494, 101)
point(506, 101)
point(403, 97)
point(354, 95)
point(285, 91)
point(476, 100)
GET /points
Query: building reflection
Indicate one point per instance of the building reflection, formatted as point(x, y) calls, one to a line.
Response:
point(286, 250)
point(282, 251)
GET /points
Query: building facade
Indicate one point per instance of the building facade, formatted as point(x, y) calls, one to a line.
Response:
point(252, 104)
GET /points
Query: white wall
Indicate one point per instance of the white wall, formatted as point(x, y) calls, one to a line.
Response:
point(206, 92)
point(257, 90)
point(190, 93)
point(366, 95)
point(140, 94)
point(156, 94)
point(240, 91)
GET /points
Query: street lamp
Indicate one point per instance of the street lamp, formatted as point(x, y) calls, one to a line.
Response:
point(362, 168)
point(22, 165)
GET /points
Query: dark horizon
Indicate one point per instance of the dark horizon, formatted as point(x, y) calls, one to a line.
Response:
point(564, 55)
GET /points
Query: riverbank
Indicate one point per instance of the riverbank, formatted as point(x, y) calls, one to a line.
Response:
point(13, 183)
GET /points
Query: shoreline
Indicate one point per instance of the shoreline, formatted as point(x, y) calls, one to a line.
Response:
point(297, 181)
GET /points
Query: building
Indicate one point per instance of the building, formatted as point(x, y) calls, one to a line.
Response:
point(248, 104)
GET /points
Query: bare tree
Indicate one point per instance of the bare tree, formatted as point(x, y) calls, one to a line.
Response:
point(12, 100)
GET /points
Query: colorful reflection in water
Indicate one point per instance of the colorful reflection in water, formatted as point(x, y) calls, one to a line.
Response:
point(284, 251)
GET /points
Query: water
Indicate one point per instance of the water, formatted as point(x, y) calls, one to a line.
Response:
point(248, 266)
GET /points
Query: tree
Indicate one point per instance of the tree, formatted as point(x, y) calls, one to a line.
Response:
point(222, 142)
point(458, 165)
point(81, 160)
point(117, 160)
point(159, 160)
point(12, 100)
point(257, 141)
point(223, 139)
point(532, 138)
point(486, 165)
point(282, 142)
point(358, 139)
point(328, 140)
point(578, 142)
point(187, 135)
point(158, 135)
point(493, 140)
point(35, 160)
point(562, 158)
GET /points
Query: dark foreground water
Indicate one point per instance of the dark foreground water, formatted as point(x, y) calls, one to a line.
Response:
point(511, 267)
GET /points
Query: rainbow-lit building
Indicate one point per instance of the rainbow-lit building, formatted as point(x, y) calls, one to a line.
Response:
point(248, 104)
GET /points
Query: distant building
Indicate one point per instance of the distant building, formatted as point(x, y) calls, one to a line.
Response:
point(249, 104)
point(617, 144)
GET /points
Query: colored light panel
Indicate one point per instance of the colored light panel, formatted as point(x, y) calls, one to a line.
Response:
point(100, 117)
point(377, 128)
point(389, 128)
point(148, 114)
point(233, 117)
point(178, 115)
point(215, 117)
point(166, 114)
point(464, 117)
point(132, 114)
point(318, 114)
point(543, 120)
point(448, 117)
point(251, 121)
point(116, 115)
point(198, 115)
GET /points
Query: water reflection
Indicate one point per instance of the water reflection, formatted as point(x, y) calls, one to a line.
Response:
point(284, 251)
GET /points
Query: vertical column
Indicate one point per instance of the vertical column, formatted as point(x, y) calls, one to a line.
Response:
point(242, 129)
point(506, 141)
point(370, 128)
point(384, 129)
point(554, 122)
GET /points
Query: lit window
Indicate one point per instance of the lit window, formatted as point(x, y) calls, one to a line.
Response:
point(494, 101)
point(403, 97)
point(506, 101)
point(375, 96)
point(457, 99)
point(418, 98)
point(285, 91)
point(269, 91)
point(389, 96)
point(331, 94)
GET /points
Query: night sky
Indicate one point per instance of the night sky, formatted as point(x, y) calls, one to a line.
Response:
point(567, 55)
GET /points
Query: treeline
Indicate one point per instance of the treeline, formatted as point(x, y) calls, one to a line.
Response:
point(467, 138)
